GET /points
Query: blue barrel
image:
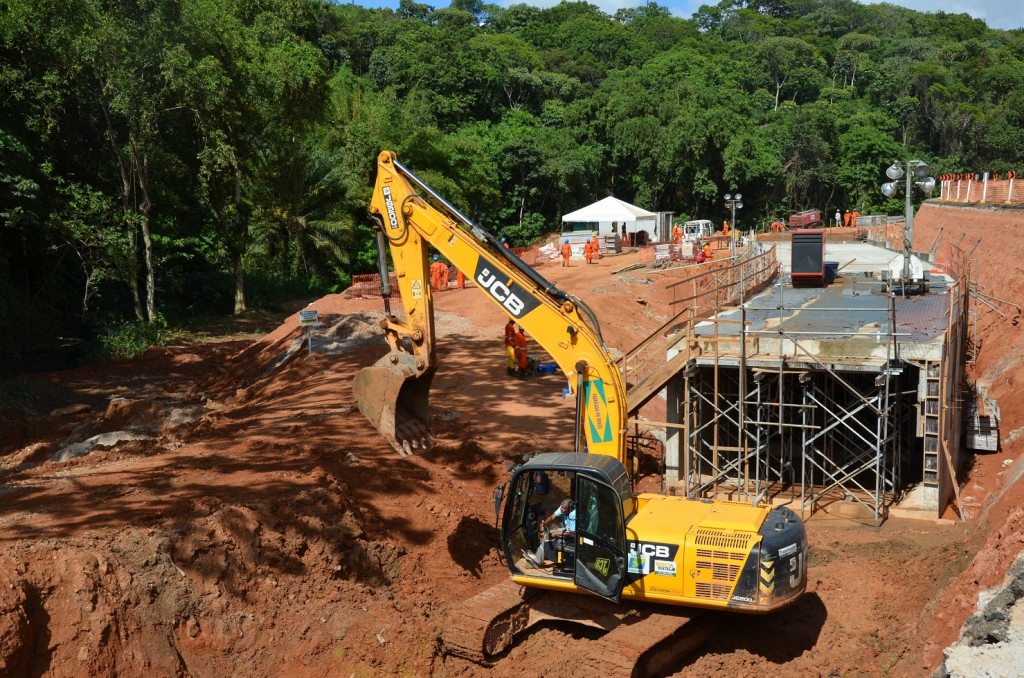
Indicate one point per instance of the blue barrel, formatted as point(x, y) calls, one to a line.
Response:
point(831, 270)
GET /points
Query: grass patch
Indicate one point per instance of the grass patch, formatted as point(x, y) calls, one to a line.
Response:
point(132, 339)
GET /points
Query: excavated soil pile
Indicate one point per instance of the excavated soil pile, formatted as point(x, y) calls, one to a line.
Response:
point(248, 520)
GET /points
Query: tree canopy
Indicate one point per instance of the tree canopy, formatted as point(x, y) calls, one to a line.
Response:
point(160, 158)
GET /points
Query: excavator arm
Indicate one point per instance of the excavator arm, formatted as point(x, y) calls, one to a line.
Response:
point(393, 393)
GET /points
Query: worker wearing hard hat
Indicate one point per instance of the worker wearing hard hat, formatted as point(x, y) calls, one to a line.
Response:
point(435, 274)
point(595, 250)
point(510, 347)
point(566, 251)
point(522, 358)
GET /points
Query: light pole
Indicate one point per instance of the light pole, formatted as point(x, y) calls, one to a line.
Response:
point(917, 172)
point(733, 202)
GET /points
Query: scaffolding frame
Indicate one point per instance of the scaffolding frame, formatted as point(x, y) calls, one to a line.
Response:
point(820, 431)
point(758, 422)
point(745, 443)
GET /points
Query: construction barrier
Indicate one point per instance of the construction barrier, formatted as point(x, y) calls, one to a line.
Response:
point(527, 254)
point(713, 286)
point(981, 188)
point(368, 286)
point(884, 231)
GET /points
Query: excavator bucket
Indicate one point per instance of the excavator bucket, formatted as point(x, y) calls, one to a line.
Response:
point(394, 396)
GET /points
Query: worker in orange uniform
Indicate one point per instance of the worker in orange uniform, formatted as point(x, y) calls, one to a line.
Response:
point(442, 275)
point(504, 242)
point(460, 278)
point(566, 251)
point(435, 274)
point(510, 347)
point(725, 228)
point(522, 357)
point(707, 251)
point(586, 251)
point(846, 218)
point(595, 249)
point(853, 217)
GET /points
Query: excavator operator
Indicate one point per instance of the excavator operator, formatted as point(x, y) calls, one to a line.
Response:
point(551, 539)
point(566, 513)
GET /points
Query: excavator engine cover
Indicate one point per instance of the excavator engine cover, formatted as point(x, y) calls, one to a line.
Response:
point(394, 395)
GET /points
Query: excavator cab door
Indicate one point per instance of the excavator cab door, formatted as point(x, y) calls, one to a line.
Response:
point(600, 539)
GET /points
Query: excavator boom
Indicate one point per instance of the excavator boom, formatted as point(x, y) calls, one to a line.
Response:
point(393, 393)
point(647, 549)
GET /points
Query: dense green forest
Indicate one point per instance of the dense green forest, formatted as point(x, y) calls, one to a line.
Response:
point(161, 159)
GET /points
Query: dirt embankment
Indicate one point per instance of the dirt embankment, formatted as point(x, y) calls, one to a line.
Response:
point(992, 238)
point(254, 523)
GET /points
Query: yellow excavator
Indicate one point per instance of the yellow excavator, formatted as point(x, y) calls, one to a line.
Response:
point(614, 543)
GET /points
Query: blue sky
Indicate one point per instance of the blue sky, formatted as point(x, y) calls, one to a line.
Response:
point(1006, 14)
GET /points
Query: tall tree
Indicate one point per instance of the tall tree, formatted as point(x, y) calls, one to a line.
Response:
point(131, 95)
point(254, 86)
point(783, 60)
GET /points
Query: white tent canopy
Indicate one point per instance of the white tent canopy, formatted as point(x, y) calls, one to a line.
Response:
point(606, 216)
point(609, 209)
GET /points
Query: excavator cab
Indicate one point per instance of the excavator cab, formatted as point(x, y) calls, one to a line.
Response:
point(593, 557)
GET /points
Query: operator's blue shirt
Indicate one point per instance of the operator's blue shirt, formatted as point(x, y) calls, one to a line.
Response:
point(568, 520)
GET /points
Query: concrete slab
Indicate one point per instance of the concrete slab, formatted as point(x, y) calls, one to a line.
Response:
point(846, 325)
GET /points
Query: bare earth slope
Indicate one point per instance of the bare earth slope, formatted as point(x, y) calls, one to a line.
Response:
point(993, 234)
point(248, 520)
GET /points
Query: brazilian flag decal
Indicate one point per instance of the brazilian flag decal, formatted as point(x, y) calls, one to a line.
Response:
point(598, 426)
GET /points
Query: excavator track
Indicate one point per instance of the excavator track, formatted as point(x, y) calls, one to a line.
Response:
point(653, 646)
point(642, 640)
point(487, 623)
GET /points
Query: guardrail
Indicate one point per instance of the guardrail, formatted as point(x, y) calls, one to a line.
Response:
point(697, 297)
point(983, 189)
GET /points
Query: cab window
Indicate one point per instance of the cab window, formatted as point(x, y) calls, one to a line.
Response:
point(597, 512)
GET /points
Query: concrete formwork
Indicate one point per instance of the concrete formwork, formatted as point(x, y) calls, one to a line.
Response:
point(843, 396)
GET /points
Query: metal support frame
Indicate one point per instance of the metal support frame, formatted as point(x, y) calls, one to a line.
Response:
point(744, 427)
point(849, 449)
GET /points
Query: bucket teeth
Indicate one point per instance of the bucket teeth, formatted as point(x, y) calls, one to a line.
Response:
point(412, 435)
